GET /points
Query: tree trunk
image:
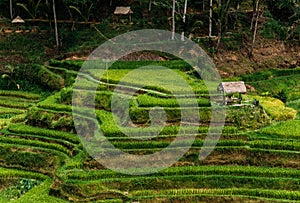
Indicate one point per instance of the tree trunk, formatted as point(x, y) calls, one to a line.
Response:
point(173, 20)
point(210, 18)
point(255, 29)
point(184, 20)
point(219, 33)
point(150, 5)
point(255, 8)
point(236, 13)
point(11, 9)
point(55, 24)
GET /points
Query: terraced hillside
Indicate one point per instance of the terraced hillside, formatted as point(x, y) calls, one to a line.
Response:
point(256, 160)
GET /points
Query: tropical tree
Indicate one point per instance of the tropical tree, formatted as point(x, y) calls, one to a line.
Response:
point(287, 12)
point(221, 10)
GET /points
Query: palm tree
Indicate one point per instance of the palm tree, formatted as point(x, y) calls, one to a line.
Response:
point(222, 10)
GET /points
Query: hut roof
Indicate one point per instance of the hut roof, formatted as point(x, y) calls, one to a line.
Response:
point(121, 10)
point(18, 19)
point(232, 87)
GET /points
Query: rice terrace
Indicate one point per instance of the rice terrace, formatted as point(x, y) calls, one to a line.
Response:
point(73, 129)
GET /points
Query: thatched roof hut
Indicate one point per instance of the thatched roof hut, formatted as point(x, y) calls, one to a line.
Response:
point(123, 10)
point(18, 19)
point(230, 88)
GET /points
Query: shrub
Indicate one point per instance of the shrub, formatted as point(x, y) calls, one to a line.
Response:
point(275, 30)
point(51, 103)
point(47, 78)
point(70, 65)
point(26, 159)
point(66, 95)
point(276, 109)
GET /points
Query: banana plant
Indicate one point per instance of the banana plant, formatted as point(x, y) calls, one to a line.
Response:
point(31, 8)
point(9, 75)
point(85, 13)
point(221, 10)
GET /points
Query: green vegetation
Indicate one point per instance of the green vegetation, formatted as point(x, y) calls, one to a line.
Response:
point(288, 129)
point(42, 159)
point(276, 109)
point(39, 135)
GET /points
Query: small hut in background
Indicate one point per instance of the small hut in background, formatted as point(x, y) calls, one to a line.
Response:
point(232, 91)
point(123, 11)
point(18, 21)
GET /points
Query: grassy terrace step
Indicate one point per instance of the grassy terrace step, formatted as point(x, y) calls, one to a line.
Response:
point(276, 194)
point(35, 159)
point(51, 103)
point(199, 136)
point(13, 173)
point(113, 130)
point(77, 64)
point(148, 101)
point(53, 152)
point(34, 143)
point(164, 144)
point(110, 129)
point(15, 104)
point(239, 155)
point(26, 129)
point(125, 88)
point(5, 110)
point(14, 99)
point(288, 129)
point(278, 145)
point(63, 143)
point(161, 184)
point(222, 148)
point(191, 170)
point(211, 198)
point(18, 94)
point(263, 144)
